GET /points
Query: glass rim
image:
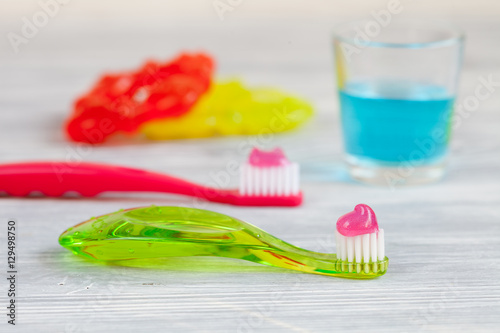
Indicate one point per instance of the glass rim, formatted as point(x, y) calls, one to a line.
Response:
point(457, 35)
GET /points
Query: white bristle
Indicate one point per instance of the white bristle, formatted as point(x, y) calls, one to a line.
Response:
point(343, 246)
point(358, 252)
point(373, 247)
point(265, 175)
point(243, 180)
point(380, 248)
point(366, 248)
point(256, 180)
point(273, 173)
point(350, 249)
point(337, 241)
point(269, 181)
point(286, 177)
point(361, 249)
point(280, 182)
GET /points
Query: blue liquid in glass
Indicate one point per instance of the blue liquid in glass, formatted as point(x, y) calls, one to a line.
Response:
point(389, 123)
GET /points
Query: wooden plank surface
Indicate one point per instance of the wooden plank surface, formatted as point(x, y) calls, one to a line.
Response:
point(443, 240)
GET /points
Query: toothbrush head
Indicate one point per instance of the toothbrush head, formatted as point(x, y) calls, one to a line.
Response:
point(269, 179)
point(360, 242)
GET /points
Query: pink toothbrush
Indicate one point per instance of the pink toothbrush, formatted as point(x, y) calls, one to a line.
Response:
point(267, 179)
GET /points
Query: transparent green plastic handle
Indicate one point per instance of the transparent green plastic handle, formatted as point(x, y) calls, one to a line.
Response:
point(155, 232)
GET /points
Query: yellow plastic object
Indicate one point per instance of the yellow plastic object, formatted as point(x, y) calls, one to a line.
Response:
point(231, 109)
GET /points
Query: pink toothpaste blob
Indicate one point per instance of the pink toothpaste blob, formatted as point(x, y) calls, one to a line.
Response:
point(273, 158)
point(361, 221)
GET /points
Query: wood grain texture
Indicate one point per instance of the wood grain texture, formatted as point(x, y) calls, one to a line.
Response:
point(443, 240)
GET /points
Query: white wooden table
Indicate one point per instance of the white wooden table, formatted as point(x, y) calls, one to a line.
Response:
point(443, 240)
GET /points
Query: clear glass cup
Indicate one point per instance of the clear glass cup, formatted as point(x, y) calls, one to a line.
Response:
point(397, 84)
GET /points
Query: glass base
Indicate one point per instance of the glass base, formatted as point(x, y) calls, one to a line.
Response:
point(395, 174)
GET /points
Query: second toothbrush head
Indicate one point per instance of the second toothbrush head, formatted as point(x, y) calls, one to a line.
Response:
point(269, 179)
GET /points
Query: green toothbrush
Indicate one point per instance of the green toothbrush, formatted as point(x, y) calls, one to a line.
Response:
point(155, 232)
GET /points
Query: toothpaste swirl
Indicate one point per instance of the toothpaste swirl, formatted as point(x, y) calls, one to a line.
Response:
point(271, 158)
point(358, 222)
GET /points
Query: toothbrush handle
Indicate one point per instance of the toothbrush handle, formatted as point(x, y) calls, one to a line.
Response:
point(89, 179)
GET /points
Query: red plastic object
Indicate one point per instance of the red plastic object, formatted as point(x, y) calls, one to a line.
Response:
point(122, 102)
point(88, 179)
